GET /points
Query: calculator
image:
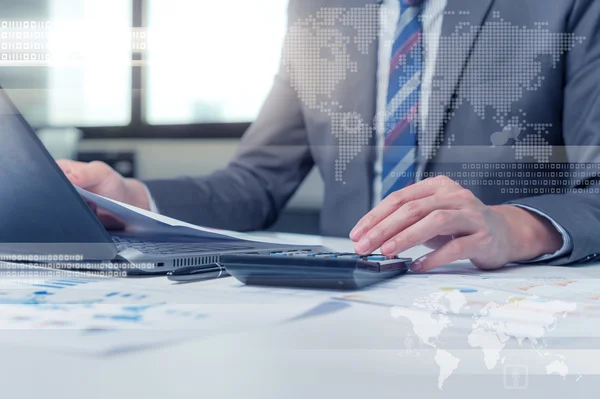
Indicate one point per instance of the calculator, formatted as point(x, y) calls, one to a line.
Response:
point(337, 270)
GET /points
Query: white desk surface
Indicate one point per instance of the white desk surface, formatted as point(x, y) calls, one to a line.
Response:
point(356, 353)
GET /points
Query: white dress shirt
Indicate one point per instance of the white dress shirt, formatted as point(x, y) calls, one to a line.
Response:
point(433, 17)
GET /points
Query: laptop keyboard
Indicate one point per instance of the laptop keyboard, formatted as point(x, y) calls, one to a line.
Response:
point(169, 248)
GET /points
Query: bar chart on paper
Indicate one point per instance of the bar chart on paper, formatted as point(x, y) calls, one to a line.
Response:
point(105, 315)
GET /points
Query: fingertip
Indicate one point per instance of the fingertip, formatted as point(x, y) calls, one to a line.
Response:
point(359, 249)
point(65, 166)
point(76, 179)
point(389, 248)
point(364, 246)
point(357, 233)
point(418, 266)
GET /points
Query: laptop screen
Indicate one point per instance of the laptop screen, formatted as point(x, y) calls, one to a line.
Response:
point(40, 211)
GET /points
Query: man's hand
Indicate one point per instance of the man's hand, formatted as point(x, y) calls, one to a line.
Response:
point(442, 215)
point(101, 179)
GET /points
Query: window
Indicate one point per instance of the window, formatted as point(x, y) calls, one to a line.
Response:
point(211, 61)
point(23, 83)
point(203, 62)
point(90, 76)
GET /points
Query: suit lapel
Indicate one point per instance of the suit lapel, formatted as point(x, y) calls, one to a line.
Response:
point(453, 55)
point(357, 96)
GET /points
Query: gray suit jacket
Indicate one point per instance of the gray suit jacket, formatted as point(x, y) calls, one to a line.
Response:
point(514, 116)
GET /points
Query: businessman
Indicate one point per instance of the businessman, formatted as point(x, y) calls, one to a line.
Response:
point(470, 126)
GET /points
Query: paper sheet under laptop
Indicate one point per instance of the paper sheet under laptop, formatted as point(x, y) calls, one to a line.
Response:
point(136, 219)
point(83, 313)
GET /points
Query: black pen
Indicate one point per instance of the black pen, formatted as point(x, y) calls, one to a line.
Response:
point(198, 273)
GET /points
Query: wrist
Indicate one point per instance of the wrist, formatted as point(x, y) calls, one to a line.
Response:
point(530, 235)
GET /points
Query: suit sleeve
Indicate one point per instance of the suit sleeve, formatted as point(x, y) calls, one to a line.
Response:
point(567, 246)
point(272, 160)
point(577, 210)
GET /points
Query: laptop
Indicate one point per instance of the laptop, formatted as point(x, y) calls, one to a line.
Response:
point(44, 219)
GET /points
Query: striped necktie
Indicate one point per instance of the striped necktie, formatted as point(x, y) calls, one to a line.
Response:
point(401, 116)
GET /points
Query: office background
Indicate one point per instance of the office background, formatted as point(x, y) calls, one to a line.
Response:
point(173, 102)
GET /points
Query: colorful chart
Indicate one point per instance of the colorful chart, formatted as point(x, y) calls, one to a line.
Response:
point(460, 289)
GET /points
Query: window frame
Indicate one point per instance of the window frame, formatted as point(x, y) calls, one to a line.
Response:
point(138, 128)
